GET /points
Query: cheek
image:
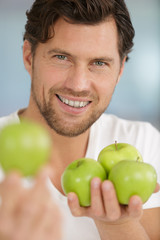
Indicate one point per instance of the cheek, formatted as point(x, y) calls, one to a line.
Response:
point(48, 78)
point(105, 89)
point(51, 77)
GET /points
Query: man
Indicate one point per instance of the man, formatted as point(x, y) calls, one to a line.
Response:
point(74, 52)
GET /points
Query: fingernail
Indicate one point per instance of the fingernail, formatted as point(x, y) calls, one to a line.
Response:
point(96, 183)
point(107, 185)
point(136, 201)
point(70, 197)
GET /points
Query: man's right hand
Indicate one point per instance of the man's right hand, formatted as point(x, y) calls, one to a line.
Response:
point(28, 213)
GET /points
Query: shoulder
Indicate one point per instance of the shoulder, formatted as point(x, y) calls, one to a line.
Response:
point(119, 124)
point(4, 121)
point(143, 135)
point(13, 117)
point(124, 129)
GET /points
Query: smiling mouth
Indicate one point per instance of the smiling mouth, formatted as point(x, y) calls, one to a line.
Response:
point(71, 103)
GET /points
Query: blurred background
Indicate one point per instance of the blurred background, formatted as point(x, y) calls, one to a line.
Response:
point(137, 96)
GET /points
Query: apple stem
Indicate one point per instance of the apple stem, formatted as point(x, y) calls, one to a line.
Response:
point(116, 145)
point(78, 163)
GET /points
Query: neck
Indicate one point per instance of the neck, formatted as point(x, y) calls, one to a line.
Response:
point(65, 149)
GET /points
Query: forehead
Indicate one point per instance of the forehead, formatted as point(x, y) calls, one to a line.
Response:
point(81, 38)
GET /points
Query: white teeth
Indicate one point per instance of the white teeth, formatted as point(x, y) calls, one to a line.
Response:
point(70, 103)
point(67, 101)
point(81, 104)
point(76, 104)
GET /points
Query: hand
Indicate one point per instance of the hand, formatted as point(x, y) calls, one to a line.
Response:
point(28, 213)
point(157, 189)
point(105, 205)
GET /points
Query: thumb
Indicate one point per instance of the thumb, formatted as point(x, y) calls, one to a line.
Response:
point(157, 189)
point(44, 173)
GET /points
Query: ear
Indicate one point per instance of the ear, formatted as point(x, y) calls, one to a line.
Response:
point(27, 56)
point(121, 69)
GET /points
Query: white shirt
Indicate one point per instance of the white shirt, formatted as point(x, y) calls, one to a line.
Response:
point(105, 131)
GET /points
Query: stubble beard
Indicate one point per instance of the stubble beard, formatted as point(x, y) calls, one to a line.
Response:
point(57, 122)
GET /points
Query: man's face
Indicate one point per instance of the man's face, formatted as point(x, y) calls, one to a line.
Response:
point(74, 75)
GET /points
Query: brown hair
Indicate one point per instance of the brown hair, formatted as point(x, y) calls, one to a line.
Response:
point(44, 13)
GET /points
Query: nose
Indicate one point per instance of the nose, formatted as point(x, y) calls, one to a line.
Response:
point(78, 79)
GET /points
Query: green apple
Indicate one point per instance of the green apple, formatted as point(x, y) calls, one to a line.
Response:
point(24, 147)
point(77, 177)
point(114, 153)
point(133, 178)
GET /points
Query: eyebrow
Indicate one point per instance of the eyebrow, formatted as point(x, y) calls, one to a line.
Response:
point(104, 59)
point(63, 52)
point(58, 50)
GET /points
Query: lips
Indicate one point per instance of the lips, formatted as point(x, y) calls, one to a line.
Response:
point(74, 104)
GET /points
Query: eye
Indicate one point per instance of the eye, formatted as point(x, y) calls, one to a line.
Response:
point(99, 63)
point(61, 57)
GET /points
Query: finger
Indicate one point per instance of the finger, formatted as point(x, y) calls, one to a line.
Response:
point(97, 206)
point(49, 224)
point(157, 189)
point(135, 207)
point(44, 173)
point(111, 204)
point(40, 189)
point(30, 213)
point(11, 191)
point(73, 203)
point(33, 203)
point(24, 218)
point(31, 207)
point(10, 178)
point(40, 225)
